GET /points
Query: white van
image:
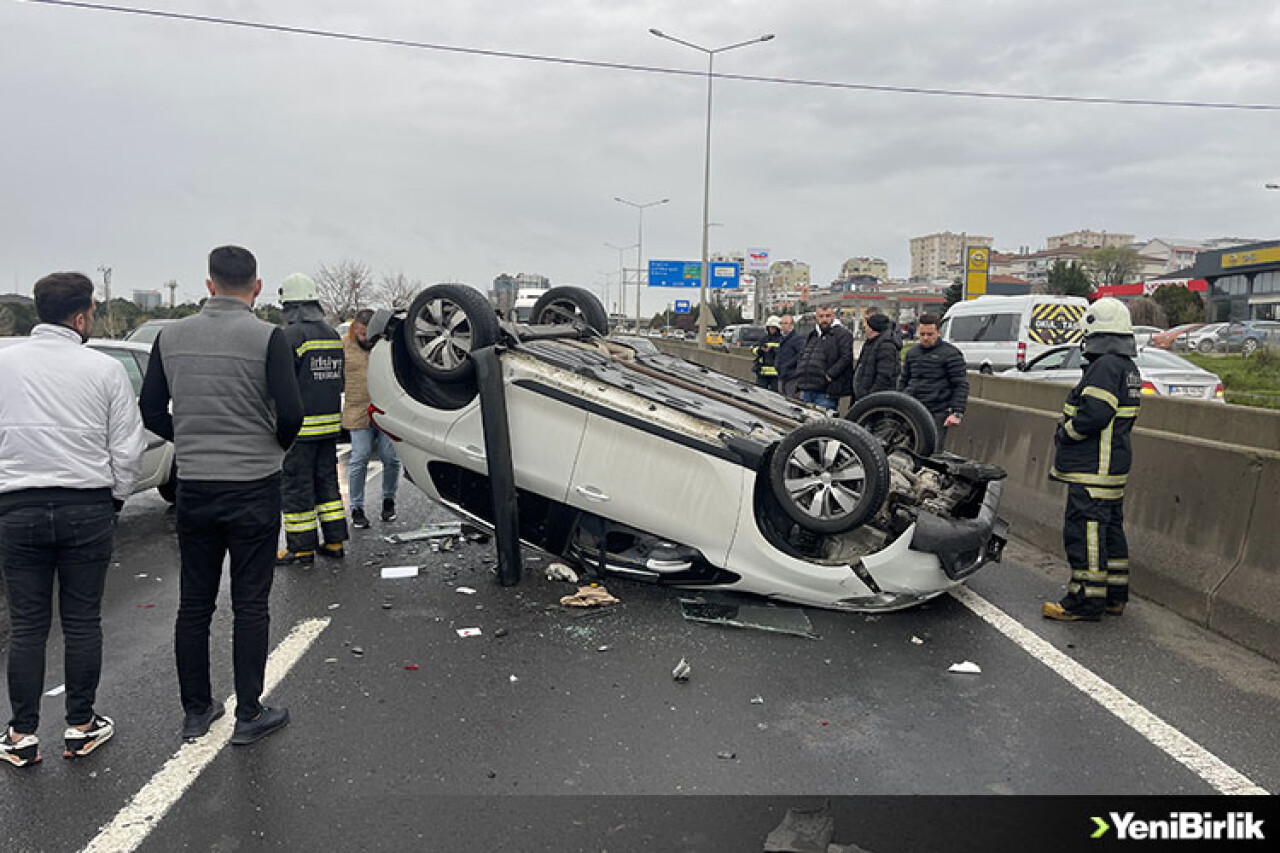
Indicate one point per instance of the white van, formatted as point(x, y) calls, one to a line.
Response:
point(999, 332)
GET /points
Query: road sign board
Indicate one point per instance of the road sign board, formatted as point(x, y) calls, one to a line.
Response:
point(724, 275)
point(682, 306)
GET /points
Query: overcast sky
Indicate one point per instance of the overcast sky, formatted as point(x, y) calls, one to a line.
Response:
point(140, 143)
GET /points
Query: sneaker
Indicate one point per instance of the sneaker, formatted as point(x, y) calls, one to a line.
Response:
point(81, 743)
point(332, 549)
point(1054, 610)
point(1115, 608)
point(268, 720)
point(295, 558)
point(359, 520)
point(20, 751)
point(197, 725)
point(388, 509)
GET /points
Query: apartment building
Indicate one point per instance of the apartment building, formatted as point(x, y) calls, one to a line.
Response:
point(1089, 239)
point(937, 256)
point(863, 267)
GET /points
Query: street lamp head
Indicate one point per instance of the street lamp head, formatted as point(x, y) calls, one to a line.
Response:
point(1273, 186)
point(657, 32)
point(766, 36)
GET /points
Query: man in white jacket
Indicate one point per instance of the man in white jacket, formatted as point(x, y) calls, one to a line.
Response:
point(71, 444)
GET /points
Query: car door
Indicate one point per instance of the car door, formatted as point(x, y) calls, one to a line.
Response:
point(157, 457)
point(658, 481)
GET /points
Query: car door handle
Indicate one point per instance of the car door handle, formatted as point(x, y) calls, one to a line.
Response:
point(473, 451)
point(591, 493)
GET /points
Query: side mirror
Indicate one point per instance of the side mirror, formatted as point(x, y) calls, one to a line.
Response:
point(378, 324)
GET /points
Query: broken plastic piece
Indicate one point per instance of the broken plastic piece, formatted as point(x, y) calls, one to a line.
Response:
point(757, 700)
point(589, 596)
point(917, 641)
point(412, 667)
point(682, 670)
point(968, 667)
point(727, 755)
point(392, 572)
point(514, 679)
point(468, 632)
point(431, 531)
point(780, 620)
point(561, 572)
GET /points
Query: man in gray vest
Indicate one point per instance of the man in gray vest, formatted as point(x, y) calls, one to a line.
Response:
point(236, 409)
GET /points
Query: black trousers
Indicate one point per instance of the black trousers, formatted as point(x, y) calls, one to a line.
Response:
point(71, 543)
point(1097, 551)
point(311, 497)
point(214, 519)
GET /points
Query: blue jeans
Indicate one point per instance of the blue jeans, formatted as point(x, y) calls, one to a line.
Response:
point(72, 543)
point(362, 444)
point(817, 398)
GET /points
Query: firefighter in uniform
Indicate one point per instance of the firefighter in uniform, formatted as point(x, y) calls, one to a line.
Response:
point(1092, 456)
point(765, 366)
point(314, 517)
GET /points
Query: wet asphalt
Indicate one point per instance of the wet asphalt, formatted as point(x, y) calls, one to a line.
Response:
point(563, 729)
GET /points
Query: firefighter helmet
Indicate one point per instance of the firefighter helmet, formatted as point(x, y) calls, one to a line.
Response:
point(1107, 316)
point(298, 288)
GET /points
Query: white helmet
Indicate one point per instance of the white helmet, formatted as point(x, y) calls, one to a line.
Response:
point(1107, 316)
point(298, 288)
point(774, 320)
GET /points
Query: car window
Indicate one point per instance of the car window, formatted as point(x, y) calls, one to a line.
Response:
point(125, 357)
point(984, 327)
point(1055, 360)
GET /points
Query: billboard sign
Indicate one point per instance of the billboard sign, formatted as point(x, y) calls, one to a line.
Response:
point(724, 275)
point(758, 260)
point(977, 261)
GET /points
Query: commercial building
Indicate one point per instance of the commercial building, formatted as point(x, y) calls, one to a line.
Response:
point(1243, 281)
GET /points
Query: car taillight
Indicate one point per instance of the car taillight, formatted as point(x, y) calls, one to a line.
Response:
point(1219, 391)
point(1022, 352)
point(1148, 388)
point(374, 410)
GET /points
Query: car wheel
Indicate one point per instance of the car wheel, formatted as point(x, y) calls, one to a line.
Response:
point(898, 421)
point(1205, 346)
point(445, 324)
point(169, 488)
point(829, 475)
point(986, 370)
point(1249, 347)
point(570, 305)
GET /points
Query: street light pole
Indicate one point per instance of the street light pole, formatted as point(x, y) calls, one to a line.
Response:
point(640, 247)
point(622, 277)
point(706, 172)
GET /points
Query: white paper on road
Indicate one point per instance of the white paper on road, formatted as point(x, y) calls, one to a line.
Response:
point(465, 590)
point(968, 667)
point(390, 572)
point(468, 632)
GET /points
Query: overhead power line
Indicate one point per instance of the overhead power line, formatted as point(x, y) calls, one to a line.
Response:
point(650, 69)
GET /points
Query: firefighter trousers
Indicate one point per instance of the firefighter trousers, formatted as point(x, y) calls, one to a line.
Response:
point(309, 495)
point(1097, 551)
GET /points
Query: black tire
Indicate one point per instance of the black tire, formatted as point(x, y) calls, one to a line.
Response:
point(1205, 345)
point(986, 370)
point(169, 489)
point(445, 324)
point(898, 421)
point(570, 305)
point(829, 476)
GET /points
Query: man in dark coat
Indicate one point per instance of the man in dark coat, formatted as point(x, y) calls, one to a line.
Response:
point(826, 364)
point(879, 362)
point(934, 373)
point(788, 359)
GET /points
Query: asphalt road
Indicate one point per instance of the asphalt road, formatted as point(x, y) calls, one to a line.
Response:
point(573, 715)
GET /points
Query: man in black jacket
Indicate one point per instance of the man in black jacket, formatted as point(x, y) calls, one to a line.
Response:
point(788, 359)
point(310, 493)
point(1092, 456)
point(934, 373)
point(826, 364)
point(879, 363)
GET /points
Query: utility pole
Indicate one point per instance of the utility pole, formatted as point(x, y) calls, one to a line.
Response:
point(173, 290)
point(106, 294)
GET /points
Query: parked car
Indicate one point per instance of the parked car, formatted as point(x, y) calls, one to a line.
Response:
point(1205, 339)
point(652, 468)
point(1000, 332)
point(1247, 336)
point(146, 333)
point(743, 335)
point(1168, 339)
point(1163, 373)
point(1142, 334)
point(159, 470)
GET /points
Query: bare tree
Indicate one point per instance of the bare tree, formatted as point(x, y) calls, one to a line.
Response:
point(345, 288)
point(396, 290)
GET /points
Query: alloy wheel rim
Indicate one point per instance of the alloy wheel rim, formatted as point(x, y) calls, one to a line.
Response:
point(442, 334)
point(824, 478)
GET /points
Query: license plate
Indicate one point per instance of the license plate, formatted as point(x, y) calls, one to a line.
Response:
point(1186, 391)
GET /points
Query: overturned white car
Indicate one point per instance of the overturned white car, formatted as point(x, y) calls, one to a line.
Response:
point(653, 468)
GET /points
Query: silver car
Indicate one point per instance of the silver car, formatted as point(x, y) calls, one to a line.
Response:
point(1163, 373)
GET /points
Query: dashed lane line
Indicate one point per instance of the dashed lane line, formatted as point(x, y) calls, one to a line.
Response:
point(143, 813)
point(1213, 770)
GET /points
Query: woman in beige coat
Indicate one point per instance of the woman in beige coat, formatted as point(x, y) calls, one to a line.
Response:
point(364, 435)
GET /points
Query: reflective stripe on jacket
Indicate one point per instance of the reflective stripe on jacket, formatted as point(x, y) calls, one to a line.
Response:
point(319, 361)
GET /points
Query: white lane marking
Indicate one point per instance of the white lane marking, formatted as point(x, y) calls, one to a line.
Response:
point(143, 813)
point(1175, 744)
